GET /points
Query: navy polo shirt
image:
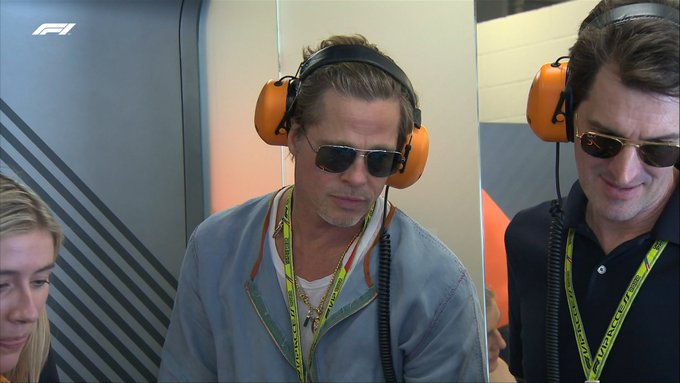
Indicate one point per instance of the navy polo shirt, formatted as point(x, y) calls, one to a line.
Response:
point(648, 344)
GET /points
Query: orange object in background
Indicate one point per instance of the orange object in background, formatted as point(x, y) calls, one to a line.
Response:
point(495, 264)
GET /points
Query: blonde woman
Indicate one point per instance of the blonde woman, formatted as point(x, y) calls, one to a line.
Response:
point(29, 241)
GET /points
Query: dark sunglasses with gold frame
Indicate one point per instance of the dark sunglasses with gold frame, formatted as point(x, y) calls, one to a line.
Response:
point(653, 153)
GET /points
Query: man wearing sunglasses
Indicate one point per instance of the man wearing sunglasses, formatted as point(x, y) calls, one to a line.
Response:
point(284, 287)
point(616, 244)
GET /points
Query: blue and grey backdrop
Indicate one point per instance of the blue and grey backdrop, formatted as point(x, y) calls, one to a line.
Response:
point(97, 99)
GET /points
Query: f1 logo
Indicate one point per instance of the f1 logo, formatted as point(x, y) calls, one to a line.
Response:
point(59, 28)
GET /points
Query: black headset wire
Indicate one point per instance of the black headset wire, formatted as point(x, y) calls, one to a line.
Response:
point(384, 339)
point(555, 240)
point(553, 279)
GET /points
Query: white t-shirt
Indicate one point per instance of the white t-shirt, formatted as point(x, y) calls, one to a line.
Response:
point(317, 288)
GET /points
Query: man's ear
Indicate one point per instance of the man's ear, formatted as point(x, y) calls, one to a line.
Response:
point(294, 138)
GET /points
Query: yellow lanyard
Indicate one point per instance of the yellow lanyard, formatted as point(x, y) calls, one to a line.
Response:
point(593, 368)
point(291, 290)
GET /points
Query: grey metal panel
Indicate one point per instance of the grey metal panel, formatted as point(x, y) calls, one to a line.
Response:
point(518, 169)
point(191, 109)
point(100, 121)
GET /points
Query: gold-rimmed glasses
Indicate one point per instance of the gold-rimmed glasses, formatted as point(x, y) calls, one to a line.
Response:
point(657, 154)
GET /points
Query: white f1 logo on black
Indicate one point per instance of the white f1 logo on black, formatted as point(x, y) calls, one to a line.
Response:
point(59, 28)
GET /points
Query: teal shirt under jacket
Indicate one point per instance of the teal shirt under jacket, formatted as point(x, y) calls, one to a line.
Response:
point(229, 326)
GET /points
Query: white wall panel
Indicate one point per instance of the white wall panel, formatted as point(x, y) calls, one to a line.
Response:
point(512, 49)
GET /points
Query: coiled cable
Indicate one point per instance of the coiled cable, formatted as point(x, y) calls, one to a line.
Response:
point(384, 338)
point(554, 281)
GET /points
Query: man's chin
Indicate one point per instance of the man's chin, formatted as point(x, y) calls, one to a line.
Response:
point(343, 220)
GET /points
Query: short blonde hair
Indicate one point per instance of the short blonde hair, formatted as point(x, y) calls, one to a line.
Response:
point(353, 79)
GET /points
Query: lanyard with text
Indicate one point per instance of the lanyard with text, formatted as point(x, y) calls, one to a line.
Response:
point(291, 290)
point(593, 367)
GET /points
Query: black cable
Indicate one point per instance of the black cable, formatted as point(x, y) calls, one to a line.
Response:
point(553, 281)
point(557, 175)
point(384, 338)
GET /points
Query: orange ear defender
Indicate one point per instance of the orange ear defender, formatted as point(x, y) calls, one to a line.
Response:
point(276, 102)
point(270, 111)
point(415, 157)
point(549, 106)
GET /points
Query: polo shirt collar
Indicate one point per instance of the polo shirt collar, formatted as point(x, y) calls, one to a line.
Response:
point(667, 227)
point(575, 206)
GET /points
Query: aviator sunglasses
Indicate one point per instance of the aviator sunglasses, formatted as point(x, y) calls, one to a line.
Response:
point(657, 154)
point(338, 158)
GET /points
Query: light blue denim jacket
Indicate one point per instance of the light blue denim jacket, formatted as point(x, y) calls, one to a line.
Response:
point(230, 321)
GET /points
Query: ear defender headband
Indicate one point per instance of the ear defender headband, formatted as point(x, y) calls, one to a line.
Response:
point(550, 103)
point(276, 103)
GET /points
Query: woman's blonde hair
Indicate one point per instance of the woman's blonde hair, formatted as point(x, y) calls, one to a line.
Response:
point(21, 211)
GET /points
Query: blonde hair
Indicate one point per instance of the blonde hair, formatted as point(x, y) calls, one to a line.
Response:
point(354, 79)
point(21, 211)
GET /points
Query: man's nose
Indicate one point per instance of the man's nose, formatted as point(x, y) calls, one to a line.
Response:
point(357, 173)
point(626, 165)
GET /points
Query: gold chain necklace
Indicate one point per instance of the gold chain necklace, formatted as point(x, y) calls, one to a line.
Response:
point(314, 313)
